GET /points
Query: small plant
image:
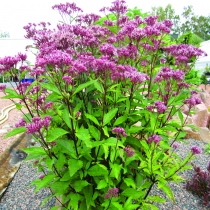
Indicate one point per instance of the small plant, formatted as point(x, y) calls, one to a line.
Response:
point(207, 148)
point(200, 184)
point(102, 81)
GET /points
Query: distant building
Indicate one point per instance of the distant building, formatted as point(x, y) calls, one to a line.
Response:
point(202, 62)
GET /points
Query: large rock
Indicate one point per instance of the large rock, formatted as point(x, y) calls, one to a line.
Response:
point(192, 134)
point(204, 134)
point(205, 97)
point(201, 117)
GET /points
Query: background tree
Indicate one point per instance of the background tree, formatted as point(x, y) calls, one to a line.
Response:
point(188, 22)
point(4, 34)
point(168, 13)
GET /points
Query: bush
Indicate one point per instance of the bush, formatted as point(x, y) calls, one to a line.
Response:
point(104, 120)
point(200, 184)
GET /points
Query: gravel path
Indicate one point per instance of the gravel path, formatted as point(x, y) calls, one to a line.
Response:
point(21, 197)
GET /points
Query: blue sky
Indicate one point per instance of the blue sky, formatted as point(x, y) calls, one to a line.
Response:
point(14, 14)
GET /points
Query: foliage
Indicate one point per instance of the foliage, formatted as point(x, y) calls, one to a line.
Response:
point(193, 77)
point(207, 148)
point(190, 38)
point(94, 85)
point(200, 184)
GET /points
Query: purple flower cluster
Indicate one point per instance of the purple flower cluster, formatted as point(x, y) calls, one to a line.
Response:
point(56, 58)
point(9, 62)
point(67, 79)
point(38, 123)
point(20, 123)
point(195, 150)
point(183, 52)
point(167, 73)
point(67, 8)
point(129, 151)
point(2, 87)
point(136, 77)
point(175, 145)
point(48, 105)
point(89, 19)
point(119, 130)
point(160, 106)
point(192, 101)
point(22, 87)
point(154, 138)
point(113, 192)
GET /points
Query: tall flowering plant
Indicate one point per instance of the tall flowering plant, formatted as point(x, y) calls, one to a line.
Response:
point(100, 111)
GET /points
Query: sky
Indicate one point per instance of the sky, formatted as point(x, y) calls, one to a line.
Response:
point(14, 14)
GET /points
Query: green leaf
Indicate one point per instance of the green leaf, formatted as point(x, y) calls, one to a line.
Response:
point(42, 183)
point(50, 87)
point(130, 192)
point(66, 117)
point(84, 135)
point(34, 153)
point(102, 184)
point(113, 142)
point(105, 129)
point(109, 116)
point(152, 121)
point(106, 151)
point(74, 201)
point(92, 118)
point(55, 133)
point(130, 182)
point(83, 86)
point(79, 185)
point(135, 129)
point(55, 208)
point(18, 106)
point(15, 131)
point(97, 170)
point(98, 86)
point(95, 133)
point(116, 168)
point(74, 166)
point(65, 177)
point(117, 205)
point(120, 120)
point(67, 147)
point(167, 190)
point(61, 161)
point(181, 116)
point(88, 191)
point(156, 199)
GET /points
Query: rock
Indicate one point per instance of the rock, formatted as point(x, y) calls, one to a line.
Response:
point(205, 97)
point(185, 109)
point(204, 134)
point(3, 131)
point(192, 134)
point(7, 126)
point(201, 118)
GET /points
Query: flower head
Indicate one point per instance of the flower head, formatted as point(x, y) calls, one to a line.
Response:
point(129, 151)
point(195, 150)
point(119, 130)
point(154, 138)
point(42, 176)
point(113, 192)
point(160, 106)
point(2, 87)
point(175, 145)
